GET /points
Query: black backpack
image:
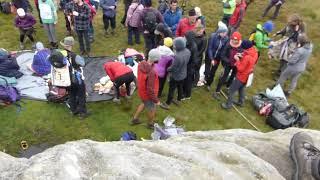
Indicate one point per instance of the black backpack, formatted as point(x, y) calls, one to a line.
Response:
point(150, 21)
point(5, 7)
point(288, 117)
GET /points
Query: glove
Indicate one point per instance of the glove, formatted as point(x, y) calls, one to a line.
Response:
point(75, 13)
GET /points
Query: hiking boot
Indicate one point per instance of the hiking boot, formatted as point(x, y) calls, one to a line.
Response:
point(135, 121)
point(238, 103)
point(305, 156)
point(21, 46)
point(216, 95)
point(116, 100)
point(176, 102)
point(164, 106)
point(226, 106)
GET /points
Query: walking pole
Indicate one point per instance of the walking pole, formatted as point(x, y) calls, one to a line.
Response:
point(243, 116)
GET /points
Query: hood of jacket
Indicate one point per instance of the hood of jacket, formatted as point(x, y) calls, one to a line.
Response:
point(190, 37)
point(179, 43)
point(253, 52)
point(145, 67)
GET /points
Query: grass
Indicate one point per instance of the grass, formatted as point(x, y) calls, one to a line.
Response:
point(41, 122)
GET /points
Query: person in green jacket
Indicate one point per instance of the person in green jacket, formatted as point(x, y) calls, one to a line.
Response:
point(48, 14)
point(228, 8)
point(261, 37)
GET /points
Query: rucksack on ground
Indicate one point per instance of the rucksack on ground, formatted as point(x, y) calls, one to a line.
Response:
point(150, 21)
point(128, 136)
point(57, 94)
point(5, 7)
point(288, 117)
point(9, 94)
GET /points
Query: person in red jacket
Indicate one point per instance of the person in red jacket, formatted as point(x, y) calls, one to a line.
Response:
point(245, 63)
point(237, 16)
point(187, 24)
point(119, 74)
point(148, 87)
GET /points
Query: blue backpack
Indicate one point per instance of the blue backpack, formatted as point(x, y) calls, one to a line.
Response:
point(128, 136)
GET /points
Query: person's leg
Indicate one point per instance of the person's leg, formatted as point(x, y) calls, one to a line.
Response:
point(270, 5)
point(294, 81)
point(81, 99)
point(242, 94)
point(162, 81)
point(236, 84)
point(53, 35)
point(207, 72)
point(223, 78)
point(180, 90)
point(187, 85)
point(29, 33)
point(22, 35)
point(117, 85)
point(284, 76)
point(233, 75)
point(106, 23)
point(148, 44)
point(276, 11)
point(130, 34)
point(80, 39)
point(73, 99)
point(38, 10)
point(87, 41)
point(128, 80)
point(197, 74)
point(138, 112)
point(172, 88)
point(213, 72)
point(46, 28)
point(123, 20)
point(68, 25)
point(151, 117)
point(113, 23)
point(137, 34)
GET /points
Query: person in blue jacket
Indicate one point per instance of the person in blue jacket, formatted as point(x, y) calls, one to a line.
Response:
point(216, 44)
point(172, 16)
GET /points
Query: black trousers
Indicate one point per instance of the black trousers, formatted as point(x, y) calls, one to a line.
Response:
point(109, 20)
point(162, 82)
point(276, 11)
point(173, 85)
point(133, 31)
point(38, 10)
point(225, 75)
point(210, 71)
point(123, 20)
point(149, 42)
point(236, 86)
point(68, 24)
point(84, 42)
point(77, 98)
point(124, 79)
point(187, 84)
point(225, 19)
point(26, 32)
point(197, 73)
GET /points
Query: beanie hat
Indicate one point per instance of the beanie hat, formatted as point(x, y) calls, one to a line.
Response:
point(179, 43)
point(192, 12)
point(57, 59)
point(222, 28)
point(198, 11)
point(3, 53)
point(154, 55)
point(168, 41)
point(236, 36)
point(21, 12)
point(148, 3)
point(246, 44)
point(159, 29)
point(80, 60)
point(39, 46)
point(268, 26)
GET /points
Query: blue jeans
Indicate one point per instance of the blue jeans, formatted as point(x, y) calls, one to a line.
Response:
point(133, 31)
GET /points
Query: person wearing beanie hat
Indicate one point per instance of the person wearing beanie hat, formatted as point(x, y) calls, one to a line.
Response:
point(25, 23)
point(149, 18)
point(148, 86)
point(119, 74)
point(237, 16)
point(217, 42)
point(40, 64)
point(245, 63)
point(178, 71)
point(232, 47)
point(200, 18)
point(228, 8)
point(261, 37)
point(187, 24)
point(168, 42)
point(297, 63)
point(161, 32)
point(277, 4)
point(172, 16)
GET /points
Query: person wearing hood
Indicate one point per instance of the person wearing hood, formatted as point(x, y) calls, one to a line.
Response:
point(40, 64)
point(277, 4)
point(148, 86)
point(261, 37)
point(228, 8)
point(297, 63)
point(245, 63)
point(237, 16)
point(187, 24)
point(191, 67)
point(167, 56)
point(25, 23)
point(178, 71)
point(228, 61)
point(49, 17)
point(217, 42)
point(119, 74)
point(161, 32)
point(201, 42)
point(172, 16)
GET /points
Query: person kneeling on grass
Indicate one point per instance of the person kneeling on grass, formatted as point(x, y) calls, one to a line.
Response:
point(40, 64)
point(119, 74)
point(148, 85)
point(245, 63)
point(25, 23)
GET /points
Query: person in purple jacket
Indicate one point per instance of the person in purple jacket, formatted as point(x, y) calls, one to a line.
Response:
point(167, 56)
point(25, 23)
point(277, 4)
point(40, 64)
point(133, 21)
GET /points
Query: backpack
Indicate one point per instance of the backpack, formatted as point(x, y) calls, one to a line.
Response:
point(253, 35)
point(288, 117)
point(57, 94)
point(5, 7)
point(150, 21)
point(128, 136)
point(9, 94)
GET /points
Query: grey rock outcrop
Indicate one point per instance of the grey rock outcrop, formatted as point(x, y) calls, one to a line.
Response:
point(226, 154)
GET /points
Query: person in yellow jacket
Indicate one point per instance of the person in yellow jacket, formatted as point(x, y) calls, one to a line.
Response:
point(228, 8)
